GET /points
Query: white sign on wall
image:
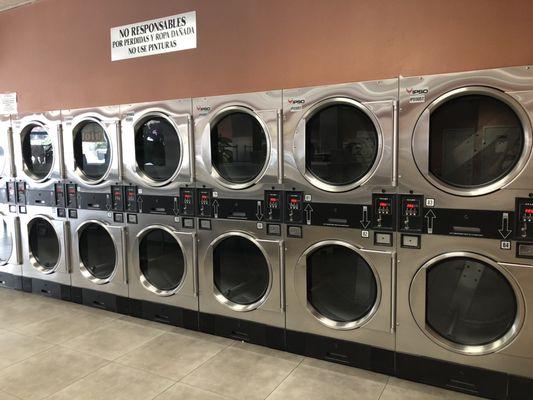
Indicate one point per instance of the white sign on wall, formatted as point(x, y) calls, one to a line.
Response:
point(157, 36)
point(8, 103)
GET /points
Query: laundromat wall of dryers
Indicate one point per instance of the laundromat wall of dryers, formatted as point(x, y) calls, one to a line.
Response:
point(56, 53)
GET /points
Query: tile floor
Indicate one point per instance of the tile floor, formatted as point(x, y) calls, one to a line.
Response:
point(51, 349)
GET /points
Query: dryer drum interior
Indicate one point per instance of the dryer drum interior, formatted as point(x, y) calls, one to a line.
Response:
point(469, 302)
point(341, 285)
point(92, 150)
point(43, 244)
point(238, 146)
point(157, 148)
point(97, 251)
point(341, 144)
point(6, 243)
point(161, 260)
point(37, 151)
point(474, 140)
point(240, 271)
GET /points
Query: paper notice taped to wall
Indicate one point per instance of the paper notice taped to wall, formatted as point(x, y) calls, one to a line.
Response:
point(8, 103)
point(157, 36)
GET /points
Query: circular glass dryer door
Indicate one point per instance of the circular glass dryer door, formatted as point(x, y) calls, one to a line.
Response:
point(161, 261)
point(342, 288)
point(43, 245)
point(92, 150)
point(6, 242)
point(341, 145)
point(241, 273)
point(97, 252)
point(157, 149)
point(471, 305)
point(239, 147)
point(3, 168)
point(472, 142)
point(37, 152)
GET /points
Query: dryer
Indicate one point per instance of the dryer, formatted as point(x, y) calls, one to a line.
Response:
point(99, 259)
point(159, 157)
point(340, 153)
point(463, 319)
point(10, 249)
point(241, 281)
point(340, 291)
point(162, 270)
point(238, 141)
point(45, 246)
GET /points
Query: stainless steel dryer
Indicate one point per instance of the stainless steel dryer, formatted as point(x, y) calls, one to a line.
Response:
point(463, 316)
point(10, 249)
point(238, 141)
point(241, 281)
point(162, 270)
point(38, 151)
point(93, 151)
point(99, 259)
point(340, 153)
point(340, 297)
point(45, 249)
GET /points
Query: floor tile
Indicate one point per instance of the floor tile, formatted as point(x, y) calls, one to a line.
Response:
point(45, 373)
point(398, 389)
point(114, 339)
point(15, 347)
point(243, 373)
point(172, 355)
point(318, 380)
point(184, 392)
point(65, 326)
point(24, 311)
point(115, 382)
point(5, 396)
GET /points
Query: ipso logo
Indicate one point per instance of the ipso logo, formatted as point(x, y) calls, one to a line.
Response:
point(411, 91)
point(296, 101)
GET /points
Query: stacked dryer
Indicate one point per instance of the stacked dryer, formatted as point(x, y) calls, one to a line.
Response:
point(10, 251)
point(465, 281)
point(38, 155)
point(340, 176)
point(239, 168)
point(159, 175)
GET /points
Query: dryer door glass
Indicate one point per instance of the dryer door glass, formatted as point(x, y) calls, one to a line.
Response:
point(6, 243)
point(341, 286)
point(43, 243)
point(161, 260)
point(157, 148)
point(474, 140)
point(238, 147)
point(92, 151)
point(37, 151)
point(469, 302)
point(240, 270)
point(97, 251)
point(341, 144)
point(3, 171)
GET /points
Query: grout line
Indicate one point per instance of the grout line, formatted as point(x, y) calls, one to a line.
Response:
point(27, 358)
point(202, 364)
point(284, 379)
point(384, 387)
point(206, 390)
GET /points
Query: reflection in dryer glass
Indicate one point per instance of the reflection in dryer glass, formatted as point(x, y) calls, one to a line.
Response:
point(92, 150)
point(157, 148)
point(469, 302)
point(474, 140)
point(161, 260)
point(6, 243)
point(238, 147)
point(37, 151)
point(240, 270)
point(341, 286)
point(44, 243)
point(341, 144)
point(97, 251)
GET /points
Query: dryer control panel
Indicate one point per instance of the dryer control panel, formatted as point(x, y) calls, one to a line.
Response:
point(411, 218)
point(384, 214)
point(273, 205)
point(205, 200)
point(524, 219)
point(294, 201)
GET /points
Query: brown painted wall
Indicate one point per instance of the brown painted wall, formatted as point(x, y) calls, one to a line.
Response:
point(56, 53)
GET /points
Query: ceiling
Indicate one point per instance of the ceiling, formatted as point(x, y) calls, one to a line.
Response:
point(7, 4)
